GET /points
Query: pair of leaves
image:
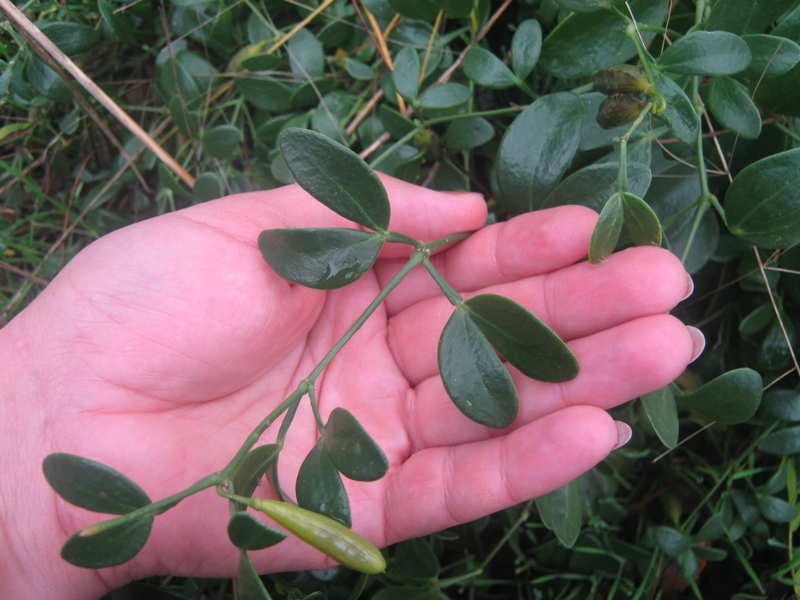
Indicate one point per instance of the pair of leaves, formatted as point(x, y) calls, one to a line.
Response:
point(96, 487)
point(639, 219)
point(406, 76)
point(472, 373)
point(339, 179)
point(486, 69)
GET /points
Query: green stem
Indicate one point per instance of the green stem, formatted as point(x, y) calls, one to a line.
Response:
point(392, 148)
point(788, 132)
point(621, 185)
point(498, 112)
point(446, 241)
point(312, 397)
point(452, 295)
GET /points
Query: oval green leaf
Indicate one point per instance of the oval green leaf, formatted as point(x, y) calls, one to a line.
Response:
point(775, 509)
point(485, 69)
point(222, 141)
point(473, 375)
point(319, 486)
point(118, 23)
point(731, 398)
point(680, 115)
point(731, 105)
point(783, 404)
point(772, 56)
point(607, 230)
point(463, 134)
point(207, 187)
point(706, 53)
point(92, 485)
point(592, 186)
point(782, 443)
point(248, 533)
point(585, 6)
point(253, 468)
point(672, 542)
point(536, 150)
point(562, 512)
point(741, 16)
point(406, 73)
point(71, 38)
point(522, 338)
point(663, 415)
point(762, 204)
point(323, 259)
point(356, 455)
point(101, 545)
point(358, 70)
point(336, 177)
point(526, 47)
point(416, 560)
point(447, 95)
point(641, 222)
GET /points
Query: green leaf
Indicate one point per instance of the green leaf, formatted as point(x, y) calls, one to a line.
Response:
point(526, 47)
point(607, 230)
point(522, 338)
point(267, 94)
point(782, 443)
point(485, 69)
point(680, 115)
point(253, 467)
point(561, 511)
point(358, 70)
point(92, 485)
point(592, 186)
point(731, 105)
point(425, 10)
point(641, 222)
point(783, 404)
point(336, 177)
point(71, 38)
point(249, 584)
point(775, 509)
point(118, 23)
point(406, 73)
point(356, 455)
point(672, 542)
point(585, 6)
point(222, 141)
point(706, 53)
point(473, 375)
point(319, 486)
point(397, 124)
point(248, 533)
point(587, 42)
point(415, 559)
point(306, 56)
point(704, 243)
point(536, 150)
point(743, 16)
point(762, 204)
point(207, 187)
point(46, 81)
point(447, 95)
point(772, 56)
point(101, 545)
point(663, 415)
point(463, 134)
point(774, 354)
point(757, 320)
point(731, 398)
point(324, 259)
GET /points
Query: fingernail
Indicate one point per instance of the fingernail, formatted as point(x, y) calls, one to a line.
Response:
point(698, 342)
point(689, 288)
point(624, 434)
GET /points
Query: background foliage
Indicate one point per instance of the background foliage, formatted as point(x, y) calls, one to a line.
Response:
point(498, 98)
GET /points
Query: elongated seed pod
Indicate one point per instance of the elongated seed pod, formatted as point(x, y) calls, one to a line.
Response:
point(323, 533)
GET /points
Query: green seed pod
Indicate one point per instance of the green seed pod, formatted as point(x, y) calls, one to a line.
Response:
point(621, 79)
point(323, 533)
point(619, 109)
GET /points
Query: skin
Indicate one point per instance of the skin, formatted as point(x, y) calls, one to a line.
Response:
point(160, 346)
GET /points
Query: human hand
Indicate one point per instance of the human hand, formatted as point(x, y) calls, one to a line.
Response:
point(161, 346)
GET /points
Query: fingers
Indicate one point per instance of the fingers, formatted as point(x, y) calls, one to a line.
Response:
point(465, 482)
point(575, 301)
point(617, 365)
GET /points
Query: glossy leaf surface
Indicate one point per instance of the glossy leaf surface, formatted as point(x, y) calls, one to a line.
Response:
point(253, 468)
point(731, 105)
point(248, 533)
point(679, 115)
point(336, 177)
point(706, 53)
point(641, 222)
point(323, 259)
point(473, 375)
point(526, 47)
point(447, 95)
point(108, 547)
point(593, 185)
point(92, 485)
point(463, 134)
point(406, 73)
point(562, 512)
point(536, 150)
point(731, 398)
point(522, 338)
point(319, 486)
point(356, 455)
point(607, 230)
point(663, 415)
point(485, 69)
point(762, 204)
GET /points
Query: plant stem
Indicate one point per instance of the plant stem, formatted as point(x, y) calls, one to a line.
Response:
point(452, 295)
point(621, 185)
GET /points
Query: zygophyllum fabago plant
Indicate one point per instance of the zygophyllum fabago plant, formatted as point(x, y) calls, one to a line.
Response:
point(473, 374)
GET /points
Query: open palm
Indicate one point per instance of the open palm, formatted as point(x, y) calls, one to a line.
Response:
point(161, 346)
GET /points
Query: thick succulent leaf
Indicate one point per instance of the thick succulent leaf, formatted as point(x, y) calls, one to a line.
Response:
point(762, 204)
point(248, 533)
point(526, 46)
point(352, 449)
point(485, 69)
point(522, 338)
point(92, 485)
point(406, 73)
point(641, 222)
point(323, 259)
point(731, 398)
point(562, 512)
point(772, 56)
point(663, 415)
point(607, 230)
point(336, 177)
point(536, 150)
point(98, 547)
point(731, 105)
point(473, 375)
point(706, 53)
point(253, 468)
point(680, 115)
point(593, 185)
point(319, 486)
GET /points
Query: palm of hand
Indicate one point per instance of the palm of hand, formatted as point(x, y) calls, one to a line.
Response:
point(181, 339)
